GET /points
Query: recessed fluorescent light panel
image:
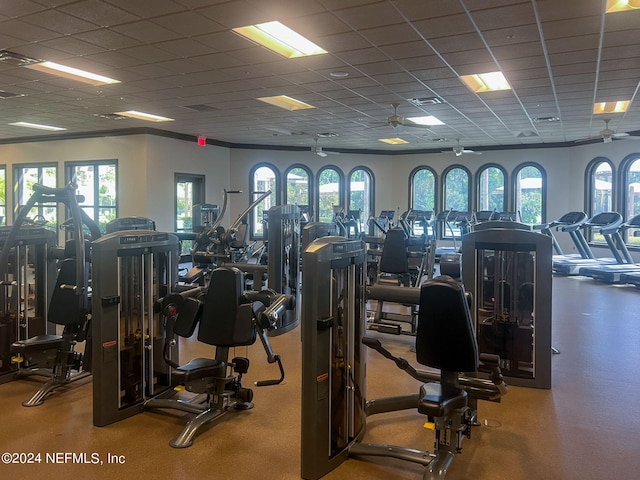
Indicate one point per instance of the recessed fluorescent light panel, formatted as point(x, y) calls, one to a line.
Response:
point(38, 126)
point(280, 39)
point(429, 120)
point(72, 73)
point(285, 102)
point(611, 107)
point(621, 5)
point(486, 82)
point(393, 141)
point(144, 116)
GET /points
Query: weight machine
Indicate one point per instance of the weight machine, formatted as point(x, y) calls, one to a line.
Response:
point(27, 285)
point(214, 245)
point(48, 353)
point(507, 269)
point(334, 404)
point(131, 271)
point(283, 261)
point(140, 309)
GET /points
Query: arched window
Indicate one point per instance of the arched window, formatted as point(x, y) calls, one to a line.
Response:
point(361, 194)
point(330, 192)
point(457, 189)
point(530, 192)
point(491, 187)
point(263, 177)
point(599, 191)
point(3, 195)
point(298, 188)
point(630, 186)
point(457, 196)
point(423, 189)
point(600, 187)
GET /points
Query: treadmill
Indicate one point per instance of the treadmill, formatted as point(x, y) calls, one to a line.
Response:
point(606, 223)
point(569, 222)
point(632, 278)
point(613, 273)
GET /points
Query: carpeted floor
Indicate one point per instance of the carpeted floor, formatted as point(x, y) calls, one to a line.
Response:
point(585, 427)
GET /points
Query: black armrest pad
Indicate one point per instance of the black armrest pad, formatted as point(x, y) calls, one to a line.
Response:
point(489, 359)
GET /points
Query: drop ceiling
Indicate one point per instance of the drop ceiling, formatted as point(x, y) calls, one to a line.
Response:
point(180, 59)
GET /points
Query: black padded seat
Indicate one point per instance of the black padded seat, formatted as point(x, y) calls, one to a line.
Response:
point(434, 403)
point(37, 343)
point(199, 368)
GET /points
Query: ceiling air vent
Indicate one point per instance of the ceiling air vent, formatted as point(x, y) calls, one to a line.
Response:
point(4, 94)
point(110, 116)
point(201, 107)
point(545, 119)
point(425, 101)
point(15, 59)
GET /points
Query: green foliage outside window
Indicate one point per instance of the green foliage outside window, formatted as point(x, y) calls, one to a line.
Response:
point(424, 193)
point(328, 194)
point(456, 188)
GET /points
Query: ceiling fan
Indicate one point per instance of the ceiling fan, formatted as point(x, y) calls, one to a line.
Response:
point(317, 150)
point(459, 150)
point(396, 120)
point(608, 135)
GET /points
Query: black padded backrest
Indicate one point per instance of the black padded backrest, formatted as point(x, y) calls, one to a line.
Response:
point(242, 236)
point(445, 338)
point(394, 252)
point(224, 322)
point(188, 317)
point(65, 305)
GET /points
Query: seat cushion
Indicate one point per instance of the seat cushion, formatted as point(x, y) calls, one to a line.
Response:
point(37, 343)
point(198, 368)
point(435, 403)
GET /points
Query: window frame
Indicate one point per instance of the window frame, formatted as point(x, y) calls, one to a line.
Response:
point(276, 195)
point(412, 187)
point(198, 195)
point(364, 215)
point(341, 187)
point(457, 231)
point(5, 206)
point(623, 194)
point(445, 173)
point(68, 169)
point(505, 185)
point(589, 184)
point(17, 168)
point(543, 188)
point(310, 185)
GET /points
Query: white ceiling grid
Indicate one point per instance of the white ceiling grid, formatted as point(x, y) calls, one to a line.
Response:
point(180, 59)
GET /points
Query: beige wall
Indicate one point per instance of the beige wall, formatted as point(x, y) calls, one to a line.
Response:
point(146, 168)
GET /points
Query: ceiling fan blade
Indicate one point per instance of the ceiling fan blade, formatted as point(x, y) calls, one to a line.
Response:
point(414, 125)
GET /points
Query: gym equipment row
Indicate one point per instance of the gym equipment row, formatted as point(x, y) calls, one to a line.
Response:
point(36, 297)
point(139, 310)
point(334, 402)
